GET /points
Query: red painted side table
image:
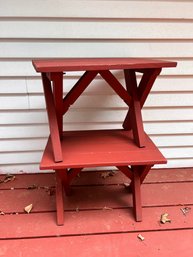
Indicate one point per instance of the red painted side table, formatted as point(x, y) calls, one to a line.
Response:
point(129, 149)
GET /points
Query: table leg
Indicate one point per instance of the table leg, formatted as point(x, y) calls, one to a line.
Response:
point(136, 188)
point(57, 79)
point(59, 200)
point(52, 117)
point(134, 118)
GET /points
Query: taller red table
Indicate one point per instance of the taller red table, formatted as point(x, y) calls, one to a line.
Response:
point(129, 149)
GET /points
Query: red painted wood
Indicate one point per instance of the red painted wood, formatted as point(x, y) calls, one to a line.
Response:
point(72, 173)
point(87, 149)
point(78, 89)
point(81, 64)
point(144, 170)
point(95, 178)
point(59, 200)
point(57, 79)
point(126, 170)
point(115, 84)
point(92, 222)
point(135, 117)
point(63, 176)
point(136, 189)
point(91, 152)
point(98, 197)
point(165, 243)
point(26, 180)
point(52, 117)
point(146, 84)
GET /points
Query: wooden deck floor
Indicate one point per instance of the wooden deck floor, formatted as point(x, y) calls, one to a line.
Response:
point(98, 216)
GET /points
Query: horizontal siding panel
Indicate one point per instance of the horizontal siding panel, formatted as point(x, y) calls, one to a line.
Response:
point(22, 145)
point(102, 115)
point(113, 101)
point(14, 102)
point(172, 140)
point(98, 86)
point(25, 157)
point(20, 168)
point(101, 29)
point(179, 163)
point(158, 128)
point(13, 86)
point(98, 9)
point(70, 48)
point(185, 152)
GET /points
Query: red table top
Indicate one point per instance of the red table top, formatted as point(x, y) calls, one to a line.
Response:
point(82, 64)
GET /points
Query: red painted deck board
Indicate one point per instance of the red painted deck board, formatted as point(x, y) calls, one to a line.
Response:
point(84, 222)
point(97, 197)
point(165, 243)
point(102, 231)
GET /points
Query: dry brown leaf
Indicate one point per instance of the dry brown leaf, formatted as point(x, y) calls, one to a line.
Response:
point(126, 184)
point(7, 178)
point(31, 187)
point(28, 208)
point(185, 210)
point(142, 238)
point(164, 218)
point(107, 174)
point(50, 190)
point(107, 208)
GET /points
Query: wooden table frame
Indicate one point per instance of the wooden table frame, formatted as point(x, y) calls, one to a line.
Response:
point(134, 96)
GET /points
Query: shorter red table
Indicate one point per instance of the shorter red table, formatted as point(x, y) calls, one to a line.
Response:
point(129, 149)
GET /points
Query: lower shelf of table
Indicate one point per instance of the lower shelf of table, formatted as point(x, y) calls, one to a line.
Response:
point(101, 148)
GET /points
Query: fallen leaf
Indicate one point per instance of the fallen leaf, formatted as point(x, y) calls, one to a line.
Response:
point(164, 218)
point(107, 208)
point(31, 187)
point(28, 208)
point(7, 178)
point(142, 238)
point(126, 184)
point(107, 174)
point(50, 190)
point(185, 210)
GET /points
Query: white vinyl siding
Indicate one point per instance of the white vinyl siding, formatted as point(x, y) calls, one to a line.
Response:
point(96, 28)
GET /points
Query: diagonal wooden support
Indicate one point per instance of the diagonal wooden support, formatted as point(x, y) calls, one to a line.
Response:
point(144, 170)
point(115, 84)
point(134, 117)
point(126, 170)
point(57, 79)
point(146, 84)
point(52, 117)
point(72, 173)
point(78, 88)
